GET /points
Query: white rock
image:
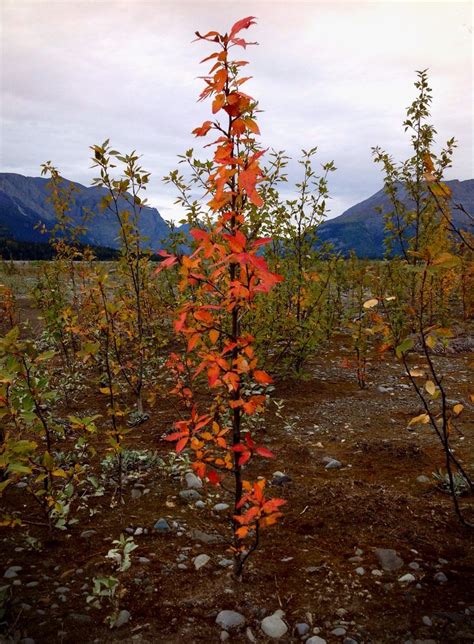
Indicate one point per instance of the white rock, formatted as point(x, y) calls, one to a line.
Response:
point(274, 626)
point(407, 579)
point(200, 561)
point(193, 482)
point(228, 619)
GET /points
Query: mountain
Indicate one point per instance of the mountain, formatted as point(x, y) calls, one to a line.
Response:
point(361, 227)
point(24, 204)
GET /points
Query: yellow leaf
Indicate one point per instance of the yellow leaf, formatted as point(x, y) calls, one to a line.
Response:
point(416, 373)
point(431, 341)
point(457, 409)
point(430, 387)
point(59, 472)
point(104, 390)
point(213, 336)
point(369, 304)
point(422, 419)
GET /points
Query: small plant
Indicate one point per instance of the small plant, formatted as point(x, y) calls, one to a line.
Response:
point(124, 546)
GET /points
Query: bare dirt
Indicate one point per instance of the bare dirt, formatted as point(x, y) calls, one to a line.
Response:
point(306, 565)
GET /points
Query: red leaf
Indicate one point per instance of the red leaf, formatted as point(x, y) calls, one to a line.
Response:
point(266, 453)
point(245, 23)
point(180, 445)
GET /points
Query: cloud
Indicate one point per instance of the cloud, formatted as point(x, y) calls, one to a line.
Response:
point(338, 75)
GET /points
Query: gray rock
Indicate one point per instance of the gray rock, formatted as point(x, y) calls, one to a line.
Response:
point(143, 560)
point(423, 479)
point(302, 629)
point(229, 619)
point(201, 560)
point(360, 571)
point(200, 505)
point(274, 626)
point(333, 465)
point(414, 565)
point(349, 640)
point(250, 636)
point(384, 389)
point(204, 537)
point(224, 636)
point(189, 495)
point(32, 584)
point(193, 482)
point(339, 631)
point(88, 534)
point(162, 525)
point(315, 640)
point(136, 494)
point(388, 559)
point(122, 619)
point(440, 577)
point(80, 619)
point(221, 507)
point(12, 572)
point(426, 621)
point(62, 589)
point(225, 563)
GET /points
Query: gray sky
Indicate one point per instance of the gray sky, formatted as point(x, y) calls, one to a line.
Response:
point(338, 75)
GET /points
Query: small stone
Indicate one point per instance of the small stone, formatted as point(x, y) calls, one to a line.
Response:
point(359, 552)
point(302, 629)
point(339, 631)
point(88, 534)
point(229, 619)
point(122, 619)
point(200, 561)
point(200, 505)
point(250, 636)
point(138, 532)
point(333, 464)
point(144, 560)
point(62, 589)
point(315, 640)
point(274, 626)
point(12, 572)
point(440, 577)
point(407, 579)
point(21, 485)
point(193, 482)
point(225, 563)
point(162, 525)
point(360, 571)
point(224, 636)
point(377, 573)
point(423, 479)
point(221, 507)
point(426, 621)
point(32, 584)
point(388, 559)
point(349, 640)
point(414, 565)
point(80, 619)
point(384, 389)
point(204, 537)
point(189, 495)
point(136, 494)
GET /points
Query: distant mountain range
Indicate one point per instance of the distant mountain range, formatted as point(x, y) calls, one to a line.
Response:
point(24, 203)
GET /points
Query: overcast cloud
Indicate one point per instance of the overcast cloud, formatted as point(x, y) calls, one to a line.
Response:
point(337, 75)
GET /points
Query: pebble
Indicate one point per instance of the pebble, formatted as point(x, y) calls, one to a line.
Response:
point(377, 573)
point(315, 640)
point(229, 619)
point(143, 560)
point(440, 577)
point(302, 629)
point(225, 563)
point(224, 636)
point(204, 537)
point(189, 495)
point(162, 525)
point(423, 479)
point(200, 505)
point(274, 626)
point(414, 565)
point(200, 561)
point(136, 494)
point(388, 559)
point(88, 534)
point(339, 631)
point(407, 579)
point(221, 507)
point(12, 572)
point(193, 482)
point(333, 464)
point(427, 621)
point(32, 584)
point(122, 619)
point(250, 636)
point(360, 570)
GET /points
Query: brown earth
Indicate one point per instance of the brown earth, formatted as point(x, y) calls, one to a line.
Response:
point(303, 566)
